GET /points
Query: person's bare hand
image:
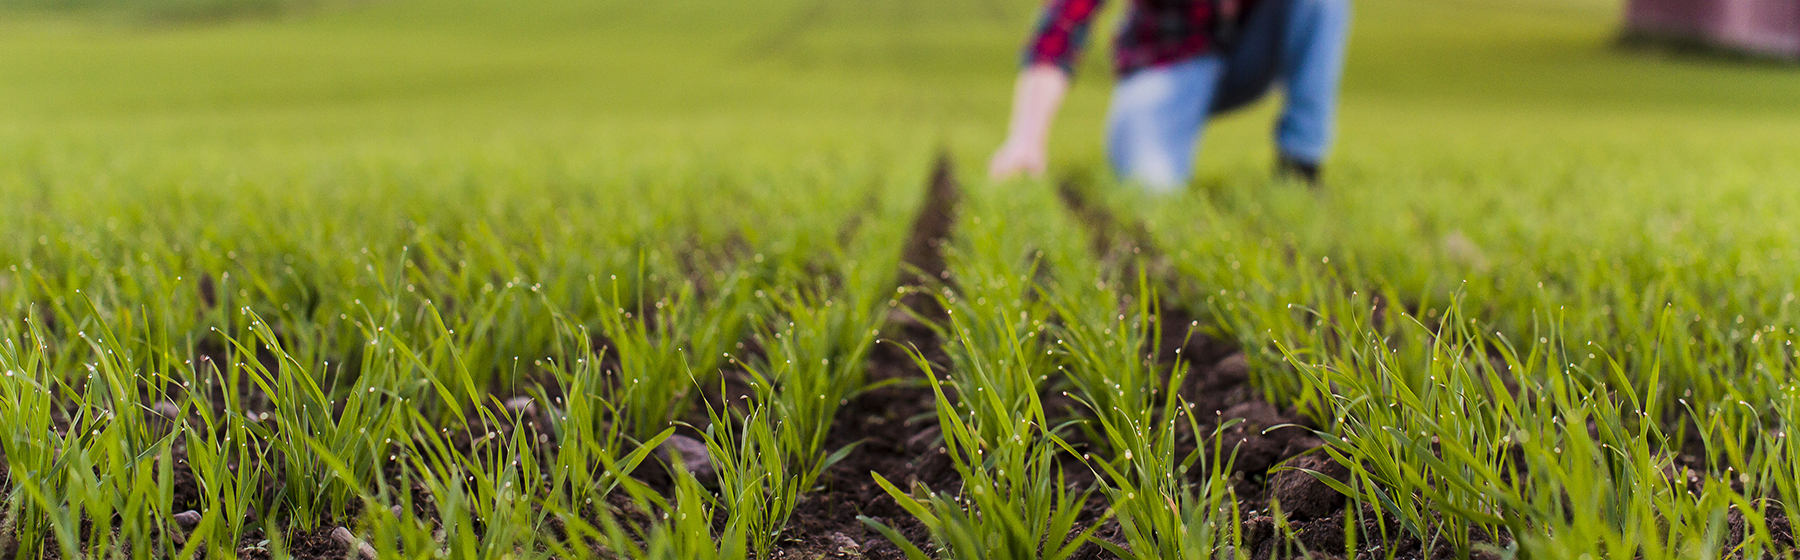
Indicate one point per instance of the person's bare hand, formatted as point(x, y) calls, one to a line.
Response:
point(1035, 98)
point(1015, 158)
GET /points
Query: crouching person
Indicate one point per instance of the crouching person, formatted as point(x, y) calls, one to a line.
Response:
point(1180, 63)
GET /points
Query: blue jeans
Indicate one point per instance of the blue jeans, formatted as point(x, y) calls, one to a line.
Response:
point(1158, 113)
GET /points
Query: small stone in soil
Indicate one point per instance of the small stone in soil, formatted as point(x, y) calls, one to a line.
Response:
point(693, 456)
point(344, 537)
point(187, 519)
point(521, 405)
point(925, 437)
point(845, 547)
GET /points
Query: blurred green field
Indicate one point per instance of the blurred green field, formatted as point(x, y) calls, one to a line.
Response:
point(1513, 196)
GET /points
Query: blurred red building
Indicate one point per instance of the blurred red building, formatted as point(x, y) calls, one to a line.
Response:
point(1762, 27)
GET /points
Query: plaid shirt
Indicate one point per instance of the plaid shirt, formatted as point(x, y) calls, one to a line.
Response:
point(1155, 32)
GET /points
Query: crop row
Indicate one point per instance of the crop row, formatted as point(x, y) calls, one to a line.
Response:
point(479, 380)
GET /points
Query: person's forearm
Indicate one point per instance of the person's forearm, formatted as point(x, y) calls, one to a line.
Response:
point(1035, 100)
point(1036, 97)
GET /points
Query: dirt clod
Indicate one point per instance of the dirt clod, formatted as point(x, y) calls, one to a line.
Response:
point(1232, 370)
point(1303, 497)
point(1263, 436)
point(1257, 530)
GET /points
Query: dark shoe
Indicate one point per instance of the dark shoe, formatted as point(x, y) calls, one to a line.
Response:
point(1287, 167)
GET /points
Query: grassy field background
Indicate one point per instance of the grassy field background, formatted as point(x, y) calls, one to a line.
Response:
point(1620, 222)
point(806, 76)
point(1517, 101)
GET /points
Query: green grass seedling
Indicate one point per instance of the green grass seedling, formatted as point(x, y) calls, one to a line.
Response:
point(814, 363)
point(30, 443)
point(661, 344)
point(1161, 515)
point(759, 484)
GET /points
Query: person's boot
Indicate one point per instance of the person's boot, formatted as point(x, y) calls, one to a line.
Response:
point(1288, 167)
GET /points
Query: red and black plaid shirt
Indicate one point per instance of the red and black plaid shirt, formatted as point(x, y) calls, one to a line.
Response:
point(1155, 32)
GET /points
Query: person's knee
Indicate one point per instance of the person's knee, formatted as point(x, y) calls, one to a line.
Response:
point(1142, 152)
point(1142, 156)
point(1155, 117)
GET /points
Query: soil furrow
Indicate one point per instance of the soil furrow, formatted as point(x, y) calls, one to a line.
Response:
point(894, 425)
